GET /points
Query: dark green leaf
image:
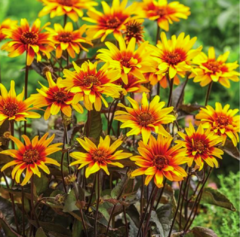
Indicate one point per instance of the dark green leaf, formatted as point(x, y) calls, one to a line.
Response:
point(216, 198)
point(203, 232)
point(40, 233)
point(231, 150)
point(70, 202)
point(7, 229)
point(41, 184)
point(77, 228)
point(119, 187)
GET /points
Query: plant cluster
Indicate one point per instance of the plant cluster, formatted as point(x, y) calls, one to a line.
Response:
point(79, 179)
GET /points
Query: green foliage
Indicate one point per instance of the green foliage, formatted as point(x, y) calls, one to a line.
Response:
point(222, 221)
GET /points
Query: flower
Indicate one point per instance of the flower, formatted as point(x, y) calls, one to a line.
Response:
point(13, 107)
point(127, 59)
point(71, 8)
point(209, 69)
point(112, 20)
point(92, 84)
point(6, 24)
point(158, 159)
point(200, 146)
point(175, 56)
point(31, 156)
point(134, 29)
point(98, 157)
point(222, 121)
point(147, 118)
point(67, 39)
point(163, 13)
point(56, 98)
point(29, 39)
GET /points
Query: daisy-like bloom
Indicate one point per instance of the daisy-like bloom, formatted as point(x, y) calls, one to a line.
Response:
point(112, 20)
point(175, 56)
point(68, 39)
point(29, 39)
point(164, 13)
point(6, 24)
point(158, 159)
point(200, 146)
point(134, 29)
point(99, 157)
point(14, 107)
point(92, 84)
point(127, 59)
point(145, 119)
point(134, 85)
point(56, 98)
point(31, 156)
point(72, 8)
point(221, 120)
point(209, 69)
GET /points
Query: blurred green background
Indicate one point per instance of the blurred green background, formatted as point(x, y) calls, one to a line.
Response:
point(214, 22)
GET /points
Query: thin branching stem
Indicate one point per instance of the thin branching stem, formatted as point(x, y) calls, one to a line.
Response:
point(208, 93)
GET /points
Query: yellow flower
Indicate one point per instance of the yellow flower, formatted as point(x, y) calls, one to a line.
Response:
point(71, 8)
point(200, 146)
point(7, 24)
point(163, 13)
point(127, 59)
point(56, 98)
point(145, 119)
point(112, 20)
point(31, 156)
point(92, 84)
point(209, 69)
point(29, 39)
point(98, 157)
point(68, 39)
point(158, 159)
point(13, 107)
point(222, 121)
point(175, 56)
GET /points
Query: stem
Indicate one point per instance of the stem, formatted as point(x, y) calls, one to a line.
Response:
point(142, 197)
point(11, 123)
point(170, 93)
point(65, 20)
point(62, 158)
point(182, 92)
point(125, 219)
point(23, 227)
point(158, 33)
point(208, 92)
point(90, 200)
point(155, 190)
point(32, 203)
point(160, 195)
point(111, 120)
point(26, 92)
point(87, 130)
point(98, 200)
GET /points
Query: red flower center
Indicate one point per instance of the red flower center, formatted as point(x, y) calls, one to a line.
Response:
point(60, 96)
point(31, 156)
point(145, 118)
point(99, 155)
point(199, 146)
point(10, 109)
point(113, 22)
point(65, 37)
point(161, 12)
point(222, 119)
point(174, 57)
point(160, 161)
point(29, 37)
point(90, 80)
point(134, 29)
point(65, 2)
point(213, 65)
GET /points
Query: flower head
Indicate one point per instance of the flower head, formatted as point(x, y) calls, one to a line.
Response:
point(164, 13)
point(72, 8)
point(134, 29)
point(29, 39)
point(14, 107)
point(127, 59)
point(6, 25)
point(92, 84)
point(200, 146)
point(175, 56)
point(209, 69)
point(56, 98)
point(158, 159)
point(68, 39)
point(112, 20)
point(31, 156)
point(98, 157)
point(222, 121)
point(145, 119)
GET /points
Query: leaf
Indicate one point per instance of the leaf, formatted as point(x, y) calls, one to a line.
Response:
point(3, 9)
point(119, 187)
point(94, 125)
point(203, 232)
point(133, 214)
point(7, 230)
point(40, 233)
point(41, 184)
point(70, 202)
point(225, 17)
point(77, 228)
point(103, 209)
point(190, 108)
point(214, 197)
point(178, 94)
point(231, 150)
